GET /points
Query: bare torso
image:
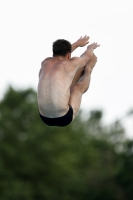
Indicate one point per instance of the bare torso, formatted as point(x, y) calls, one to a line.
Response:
point(55, 79)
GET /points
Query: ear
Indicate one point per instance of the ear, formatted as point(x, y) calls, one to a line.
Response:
point(69, 55)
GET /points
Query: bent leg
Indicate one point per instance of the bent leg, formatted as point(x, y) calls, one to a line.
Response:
point(81, 86)
point(77, 76)
point(77, 91)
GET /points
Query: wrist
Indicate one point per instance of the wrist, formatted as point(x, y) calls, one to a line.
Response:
point(76, 44)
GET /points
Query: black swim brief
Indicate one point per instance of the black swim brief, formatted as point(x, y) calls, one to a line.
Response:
point(59, 121)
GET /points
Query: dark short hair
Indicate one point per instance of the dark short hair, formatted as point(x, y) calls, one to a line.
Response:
point(61, 47)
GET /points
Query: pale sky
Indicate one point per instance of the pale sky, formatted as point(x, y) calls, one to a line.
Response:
point(29, 27)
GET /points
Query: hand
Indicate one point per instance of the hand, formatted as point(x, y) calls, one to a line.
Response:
point(93, 46)
point(82, 41)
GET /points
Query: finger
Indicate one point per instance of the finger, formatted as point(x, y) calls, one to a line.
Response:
point(87, 37)
point(98, 45)
point(80, 38)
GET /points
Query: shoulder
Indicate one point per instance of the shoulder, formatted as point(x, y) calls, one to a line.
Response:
point(72, 64)
point(78, 61)
point(75, 59)
point(46, 59)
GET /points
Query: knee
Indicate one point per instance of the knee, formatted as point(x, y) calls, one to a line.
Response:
point(79, 87)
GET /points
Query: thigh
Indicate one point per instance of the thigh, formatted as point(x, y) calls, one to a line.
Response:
point(75, 99)
point(77, 76)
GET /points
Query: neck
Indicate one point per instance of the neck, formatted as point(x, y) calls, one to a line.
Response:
point(61, 57)
point(58, 57)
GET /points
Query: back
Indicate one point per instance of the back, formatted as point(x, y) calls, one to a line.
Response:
point(54, 87)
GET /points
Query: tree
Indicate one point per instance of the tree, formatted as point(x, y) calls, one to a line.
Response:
point(39, 162)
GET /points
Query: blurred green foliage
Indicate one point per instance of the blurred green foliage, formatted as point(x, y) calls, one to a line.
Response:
point(85, 160)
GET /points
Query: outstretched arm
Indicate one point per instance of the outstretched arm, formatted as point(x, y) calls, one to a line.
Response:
point(81, 42)
point(80, 62)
